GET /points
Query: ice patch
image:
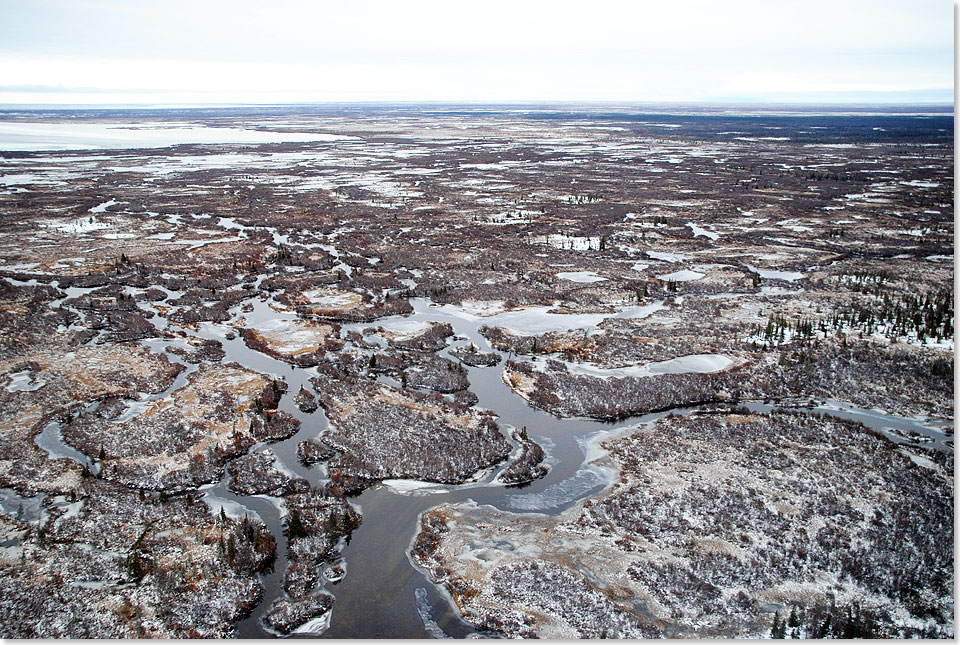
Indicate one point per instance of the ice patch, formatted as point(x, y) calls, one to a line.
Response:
point(230, 223)
point(502, 165)
point(563, 493)
point(691, 364)
point(580, 276)
point(789, 276)
point(84, 136)
point(232, 509)
point(29, 509)
point(403, 486)
point(69, 510)
point(51, 440)
point(196, 244)
point(19, 179)
point(779, 291)
point(23, 382)
point(537, 320)
point(315, 625)
point(681, 276)
point(702, 232)
point(918, 460)
point(423, 610)
point(102, 208)
point(668, 257)
point(135, 409)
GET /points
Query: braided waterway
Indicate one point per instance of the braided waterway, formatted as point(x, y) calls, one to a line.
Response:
point(384, 594)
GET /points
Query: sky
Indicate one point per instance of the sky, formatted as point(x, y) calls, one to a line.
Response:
point(287, 51)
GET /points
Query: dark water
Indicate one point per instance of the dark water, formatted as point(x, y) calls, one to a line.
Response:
point(384, 594)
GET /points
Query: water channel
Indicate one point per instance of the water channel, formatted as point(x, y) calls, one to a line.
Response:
point(384, 594)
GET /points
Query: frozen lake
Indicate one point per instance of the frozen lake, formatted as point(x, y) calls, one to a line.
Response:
point(27, 136)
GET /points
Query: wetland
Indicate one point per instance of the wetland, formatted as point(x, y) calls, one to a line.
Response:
point(368, 371)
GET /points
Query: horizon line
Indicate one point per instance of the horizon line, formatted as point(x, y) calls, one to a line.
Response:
point(933, 103)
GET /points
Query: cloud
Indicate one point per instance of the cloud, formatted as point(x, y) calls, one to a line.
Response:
point(497, 50)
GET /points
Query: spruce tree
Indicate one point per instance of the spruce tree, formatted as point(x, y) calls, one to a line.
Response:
point(779, 627)
point(295, 528)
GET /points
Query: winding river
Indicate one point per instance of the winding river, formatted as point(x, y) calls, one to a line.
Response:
point(384, 594)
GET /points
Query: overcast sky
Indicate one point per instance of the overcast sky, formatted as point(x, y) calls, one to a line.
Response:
point(270, 51)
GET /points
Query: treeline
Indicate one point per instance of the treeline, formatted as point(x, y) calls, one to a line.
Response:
point(866, 281)
point(925, 316)
point(843, 622)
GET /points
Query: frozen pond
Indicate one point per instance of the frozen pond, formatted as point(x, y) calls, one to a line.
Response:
point(538, 320)
point(580, 276)
point(692, 364)
point(702, 232)
point(770, 274)
point(681, 276)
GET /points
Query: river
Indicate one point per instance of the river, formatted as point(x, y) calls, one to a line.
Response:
point(384, 594)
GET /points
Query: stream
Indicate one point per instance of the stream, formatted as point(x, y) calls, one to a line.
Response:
point(384, 594)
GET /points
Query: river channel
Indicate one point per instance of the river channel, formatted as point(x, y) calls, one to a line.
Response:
point(384, 594)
